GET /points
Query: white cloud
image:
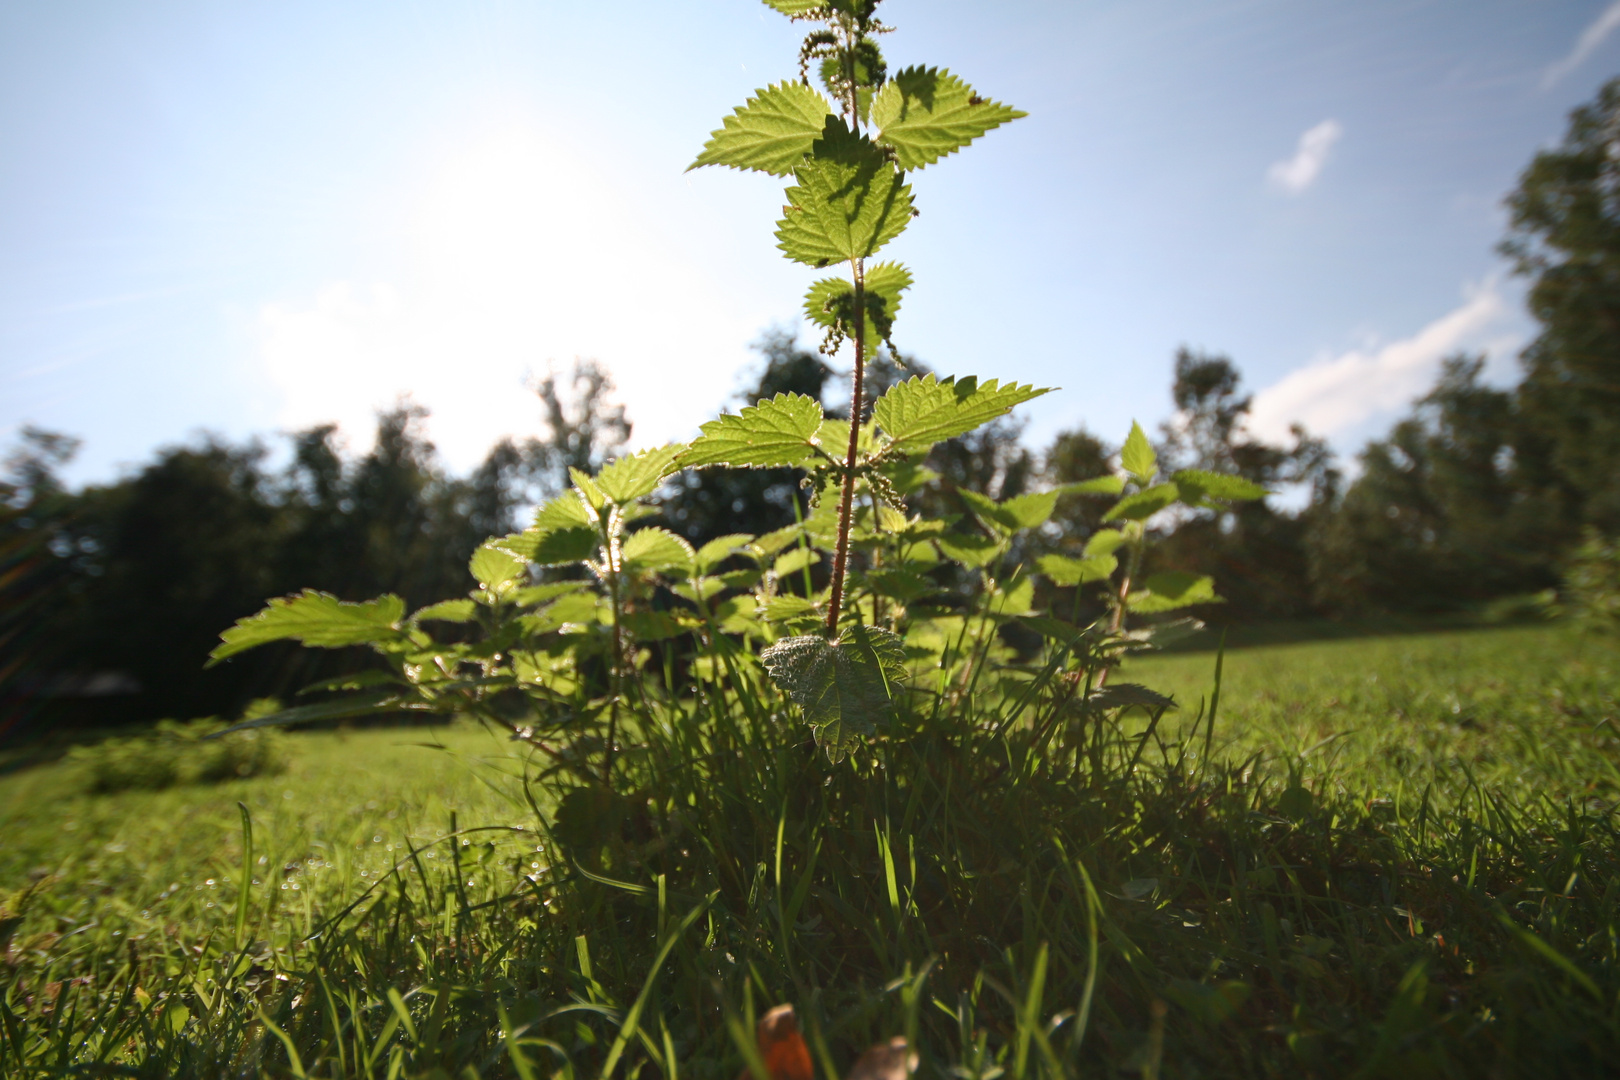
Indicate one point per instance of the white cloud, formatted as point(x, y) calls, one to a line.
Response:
point(1585, 45)
point(1299, 172)
point(517, 255)
point(1334, 394)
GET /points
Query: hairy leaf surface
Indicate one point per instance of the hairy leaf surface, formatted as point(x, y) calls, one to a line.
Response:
point(774, 433)
point(796, 7)
point(849, 201)
point(318, 619)
point(927, 113)
point(844, 690)
point(772, 132)
point(493, 567)
point(919, 412)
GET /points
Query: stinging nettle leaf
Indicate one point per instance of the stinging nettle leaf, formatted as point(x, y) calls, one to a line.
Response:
point(1138, 457)
point(655, 549)
point(927, 113)
point(1172, 589)
point(1144, 504)
point(720, 549)
point(849, 201)
point(772, 132)
point(772, 434)
point(796, 7)
point(830, 303)
point(1200, 485)
point(920, 412)
point(317, 619)
point(844, 690)
point(636, 476)
point(493, 567)
point(447, 611)
point(1063, 570)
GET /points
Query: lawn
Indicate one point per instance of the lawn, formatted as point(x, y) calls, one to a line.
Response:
point(1401, 862)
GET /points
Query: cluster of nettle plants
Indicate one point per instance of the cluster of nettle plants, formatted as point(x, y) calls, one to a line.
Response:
point(882, 627)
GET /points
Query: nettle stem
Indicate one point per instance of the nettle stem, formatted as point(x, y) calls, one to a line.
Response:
point(857, 406)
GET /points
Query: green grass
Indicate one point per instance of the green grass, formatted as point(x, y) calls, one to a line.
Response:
point(1402, 862)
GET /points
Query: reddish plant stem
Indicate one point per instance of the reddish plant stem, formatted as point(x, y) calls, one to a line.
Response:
point(846, 501)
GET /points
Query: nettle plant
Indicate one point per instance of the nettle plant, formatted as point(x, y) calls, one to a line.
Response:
point(559, 638)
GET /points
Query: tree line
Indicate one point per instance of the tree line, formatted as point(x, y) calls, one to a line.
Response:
point(112, 595)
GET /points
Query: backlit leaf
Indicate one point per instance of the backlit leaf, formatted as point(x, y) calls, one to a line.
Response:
point(636, 476)
point(772, 132)
point(831, 303)
point(493, 567)
point(1199, 485)
point(969, 549)
point(1138, 457)
point(656, 549)
point(1104, 542)
point(720, 549)
point(447, 611)
point(927, 113)
point(774, 433)
point(795, 7)
point(919, 412)
point(1170, 590)
point(849, 201)
point(1143, 504)
point(317, 619)
point(554, 547)
point(1063, 570)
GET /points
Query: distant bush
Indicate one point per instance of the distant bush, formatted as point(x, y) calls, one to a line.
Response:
point(181, 753)
point(1592, 582)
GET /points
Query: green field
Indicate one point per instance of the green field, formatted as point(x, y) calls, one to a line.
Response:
point(1405, 864)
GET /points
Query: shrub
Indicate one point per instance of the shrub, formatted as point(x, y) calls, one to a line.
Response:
point(1592, 582)
point(177, 752)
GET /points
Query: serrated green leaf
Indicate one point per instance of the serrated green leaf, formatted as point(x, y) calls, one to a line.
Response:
point(796, 7)
point(579, 607)
point(1063, 570)
point(496, 568)
point(1143, 504)
point(1015, 514)
point(317, 619)
point(1104, 542)
point(765, 546)
point(920, 412)
point(927, 113)
point(772, 434)
point(447, 611)
point(792, 562)
point(830, 303)
point(635, 476)
point(1102, 485)
point(844, 690)
point(1017, 600)
point(849, 201)
point(1199, 485)
point(906, 586)
point(565, 511)
point(721, 548)
point(789, 608)
point(699, 588)
point(554, 547)
point(651, 626)
point(1172, 589)
point(772, 132)
point(654, 549)
point(1138, 456)
point(969, 549)
point(539, 594)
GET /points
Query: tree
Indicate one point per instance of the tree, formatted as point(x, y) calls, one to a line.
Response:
point(1257, 552)
point(1441, 515)
point(1565, 238)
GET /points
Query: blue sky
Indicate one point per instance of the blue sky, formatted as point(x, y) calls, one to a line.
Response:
point(251, 217)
